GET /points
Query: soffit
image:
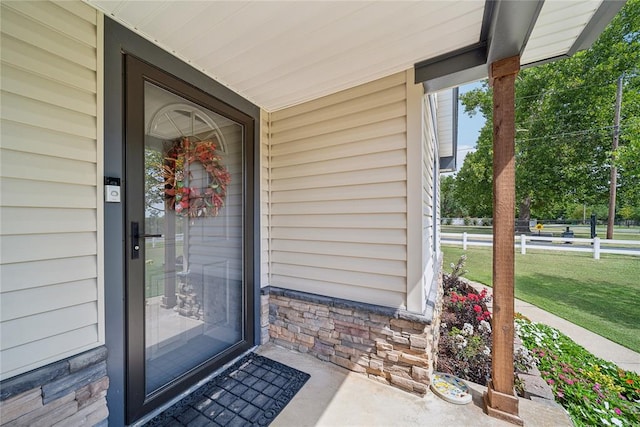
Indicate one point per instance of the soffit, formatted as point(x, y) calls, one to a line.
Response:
point(558, 27)
point(537, 31)
point(282, 53)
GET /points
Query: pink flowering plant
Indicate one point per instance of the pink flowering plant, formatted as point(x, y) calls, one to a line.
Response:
point(592, 390)
point(471, 307)
point(465, 330)
point(464, 347)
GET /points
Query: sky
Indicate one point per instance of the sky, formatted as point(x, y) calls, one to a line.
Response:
point(468, 127)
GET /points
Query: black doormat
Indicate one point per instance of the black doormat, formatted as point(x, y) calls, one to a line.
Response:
point(251, 392)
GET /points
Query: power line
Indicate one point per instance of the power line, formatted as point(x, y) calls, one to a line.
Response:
point(530, 122)
point(556, 91)
point(566, 134)
point(569, 89)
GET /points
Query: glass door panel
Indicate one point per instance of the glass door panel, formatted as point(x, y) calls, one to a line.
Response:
point(193, 180)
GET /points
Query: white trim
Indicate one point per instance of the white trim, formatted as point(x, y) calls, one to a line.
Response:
point(265, 117)
point(416, 297)
point(100, 172)
point(269, 197)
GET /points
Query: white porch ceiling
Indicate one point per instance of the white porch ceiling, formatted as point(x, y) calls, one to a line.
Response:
point(557, 28)
point(282, 53)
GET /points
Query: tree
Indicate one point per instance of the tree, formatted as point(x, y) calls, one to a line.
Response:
point(627, 213)
point(450, 206)
point(473, 185)
point(153, 182)
point(564, 120)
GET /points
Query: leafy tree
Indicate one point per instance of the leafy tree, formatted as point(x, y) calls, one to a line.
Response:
point(450, 206)
point(564, 126)
point(153, 182)
point(473, 185)
point(627, 213)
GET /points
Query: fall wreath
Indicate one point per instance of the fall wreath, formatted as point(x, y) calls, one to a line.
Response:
point(194, 202)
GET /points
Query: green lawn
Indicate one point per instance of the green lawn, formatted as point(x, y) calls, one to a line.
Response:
point(154, 269)
point(600, 295)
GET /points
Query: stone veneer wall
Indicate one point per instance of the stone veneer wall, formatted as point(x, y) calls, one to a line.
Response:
point(392, 346)
point(71, 392)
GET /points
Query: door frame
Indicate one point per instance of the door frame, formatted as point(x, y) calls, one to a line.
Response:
point(118, 42)
point(137, 73)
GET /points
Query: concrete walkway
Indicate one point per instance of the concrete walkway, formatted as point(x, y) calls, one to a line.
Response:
point(603, 348)
point(335, 397)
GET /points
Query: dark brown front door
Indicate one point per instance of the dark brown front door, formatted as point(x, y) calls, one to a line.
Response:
point(189, 302)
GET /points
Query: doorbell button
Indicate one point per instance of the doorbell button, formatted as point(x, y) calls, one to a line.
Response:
point(112, 193)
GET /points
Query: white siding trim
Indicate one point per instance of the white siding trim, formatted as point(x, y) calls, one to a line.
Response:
point(270, 196)
point(416, 296)
point(265, 198)
point(100, 173)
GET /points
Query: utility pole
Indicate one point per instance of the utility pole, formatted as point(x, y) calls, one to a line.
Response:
point(614, 172)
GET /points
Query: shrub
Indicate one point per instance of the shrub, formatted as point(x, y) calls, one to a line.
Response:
point(465, 352)
point(465, 329)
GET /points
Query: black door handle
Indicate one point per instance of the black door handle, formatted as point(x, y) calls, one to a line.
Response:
point(135, 239)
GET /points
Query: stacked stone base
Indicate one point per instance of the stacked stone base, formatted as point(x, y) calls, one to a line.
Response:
point(391, 346)
point(71, 392)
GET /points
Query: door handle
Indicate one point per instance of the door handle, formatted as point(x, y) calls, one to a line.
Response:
point(135, 239)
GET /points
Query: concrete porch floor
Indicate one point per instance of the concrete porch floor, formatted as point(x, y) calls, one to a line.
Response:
point(336, 397)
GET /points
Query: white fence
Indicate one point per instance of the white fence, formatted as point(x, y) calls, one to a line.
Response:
point(596, 245)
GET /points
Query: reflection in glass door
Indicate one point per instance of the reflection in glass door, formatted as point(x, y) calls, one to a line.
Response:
point(187, 295)
point(193, 255)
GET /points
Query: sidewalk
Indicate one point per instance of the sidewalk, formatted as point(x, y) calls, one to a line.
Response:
point(603, 348)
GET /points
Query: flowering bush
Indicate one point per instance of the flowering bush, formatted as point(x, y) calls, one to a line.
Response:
point(465, 329)
point(465, 352)
point(594, 391)
point(464, 349)
point(472, 304)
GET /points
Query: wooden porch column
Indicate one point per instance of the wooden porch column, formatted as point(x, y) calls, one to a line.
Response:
point(500, 399)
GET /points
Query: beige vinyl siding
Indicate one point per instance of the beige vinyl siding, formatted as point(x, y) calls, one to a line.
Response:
point(51, 296)
point(338, 194)
point(265, 200)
